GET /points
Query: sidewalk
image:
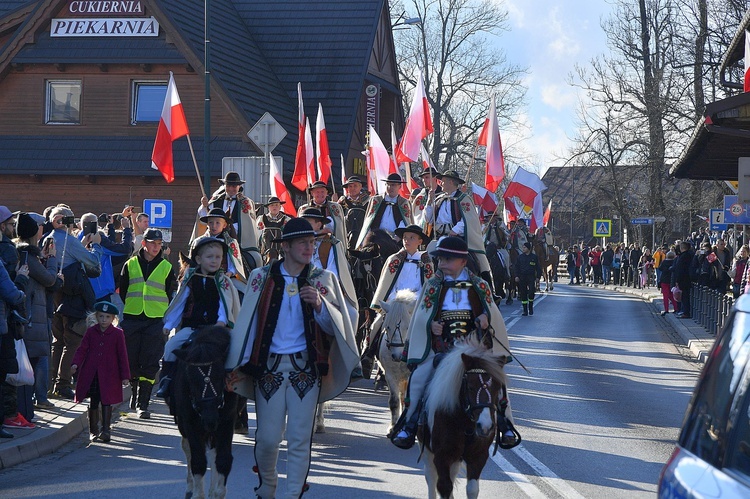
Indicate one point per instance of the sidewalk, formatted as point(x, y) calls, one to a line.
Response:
point(54, 428)
point(693, 336)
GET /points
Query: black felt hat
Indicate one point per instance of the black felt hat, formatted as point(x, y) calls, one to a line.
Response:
point(294, 229)
point(315, 214)
point(430, 170)
point(231, 178)
point(394, 178)
point(274, 199)
point(353, 178)
point(414, 229)
point(452, 174)
point(318, 183)
point(451, 247)
point(216, 212)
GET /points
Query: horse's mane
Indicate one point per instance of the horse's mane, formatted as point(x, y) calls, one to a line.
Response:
point(208, 344)
point(384, 241)
point(445, 386)
point(400, 307)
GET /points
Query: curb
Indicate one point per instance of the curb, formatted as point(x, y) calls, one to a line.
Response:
point(54, 429)
point(692, 335)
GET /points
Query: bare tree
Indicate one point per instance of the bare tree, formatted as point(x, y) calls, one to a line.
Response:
point(456, 45)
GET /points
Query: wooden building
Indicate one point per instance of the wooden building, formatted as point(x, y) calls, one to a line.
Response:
point(82, 84)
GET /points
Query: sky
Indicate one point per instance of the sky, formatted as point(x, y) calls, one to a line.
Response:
point(549, 37)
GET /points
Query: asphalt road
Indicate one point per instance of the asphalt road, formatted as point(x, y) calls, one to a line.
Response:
point(599, 414)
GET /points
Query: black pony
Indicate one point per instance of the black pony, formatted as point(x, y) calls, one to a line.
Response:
point(205, 414)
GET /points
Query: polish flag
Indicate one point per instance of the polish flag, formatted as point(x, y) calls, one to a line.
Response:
point(404, 189)
point(309, 154)
point(547, 213)
point(380, 161)
point(483, 198)
point(323, 155)
point(371, 175)
point(525, 194)
point(418, 125)
point(300, 176)
point(426, 159)
point(495, 163)
point(278, 188)
point(172, 126)
point(394, 146)
point(746, 79)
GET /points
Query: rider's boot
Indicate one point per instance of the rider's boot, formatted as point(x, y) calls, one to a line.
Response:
point(525, 309)
point(165, 380)
point(531, 307)
point(407, 436)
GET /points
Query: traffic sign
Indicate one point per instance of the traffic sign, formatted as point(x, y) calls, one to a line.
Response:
point(602, 228)
point(735, 212)
point(159, 212)
point(717, 220)
point(267, 132)
point(642, 221)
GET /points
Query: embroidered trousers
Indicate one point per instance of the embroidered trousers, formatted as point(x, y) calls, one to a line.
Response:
point(286, 397)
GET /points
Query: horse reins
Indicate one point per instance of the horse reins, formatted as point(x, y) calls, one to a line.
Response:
point(208, 385)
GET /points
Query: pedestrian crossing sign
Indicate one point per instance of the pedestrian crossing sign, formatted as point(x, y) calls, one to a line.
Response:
point(602, 228)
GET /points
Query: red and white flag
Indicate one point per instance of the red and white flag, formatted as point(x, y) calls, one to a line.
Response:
point(483, 198)
point(495, 163)
point(525, 194)
point(278, 188)
point(309, 153)
point(426, 159)
point(300, 175)
point(394, 146)
point(418, 125)
point(380, 161)
point(404, 190)
point(323, 156)
point(547, 213)
point(172, 126)
point(746, 80)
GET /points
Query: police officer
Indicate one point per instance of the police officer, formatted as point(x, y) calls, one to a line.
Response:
point(528, 273)
point(147, 284)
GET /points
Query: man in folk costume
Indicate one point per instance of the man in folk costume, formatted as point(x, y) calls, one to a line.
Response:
point(206, 297)
point(330, 254)
point(294, 346)
point(387, 212)
point(519, 234)
point(430, 179)
point(319, 193)
point(269, 227)
point(457, 216)
point(455, 305)
point(407, 269)
point(354, 204)
point(233, 265)
point(240, 210)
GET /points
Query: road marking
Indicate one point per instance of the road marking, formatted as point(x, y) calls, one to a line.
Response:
point(523, 483)
point(546, 474)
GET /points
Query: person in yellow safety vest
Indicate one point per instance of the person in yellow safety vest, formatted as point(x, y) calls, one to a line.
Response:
point(147, 284)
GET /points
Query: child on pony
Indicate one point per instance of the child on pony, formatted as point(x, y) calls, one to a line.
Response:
point(454, 305)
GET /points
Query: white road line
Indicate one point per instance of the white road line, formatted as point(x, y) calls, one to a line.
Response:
point(523, 483)
point(546, 474)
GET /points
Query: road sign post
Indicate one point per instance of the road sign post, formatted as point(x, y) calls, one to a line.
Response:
point(266, 134)
point(159, 212)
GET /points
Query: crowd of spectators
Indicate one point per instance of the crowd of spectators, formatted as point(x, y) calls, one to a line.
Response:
point(53, 268)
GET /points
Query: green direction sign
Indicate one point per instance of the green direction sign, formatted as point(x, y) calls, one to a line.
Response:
point(602, 228)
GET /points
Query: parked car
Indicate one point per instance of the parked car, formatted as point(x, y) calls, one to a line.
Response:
point(712, 458)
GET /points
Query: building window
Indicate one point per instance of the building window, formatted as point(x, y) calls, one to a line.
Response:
point(63, 102)
point(148, 100)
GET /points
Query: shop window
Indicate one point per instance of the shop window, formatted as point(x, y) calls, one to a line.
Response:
point(63, 102)
point(148, 100)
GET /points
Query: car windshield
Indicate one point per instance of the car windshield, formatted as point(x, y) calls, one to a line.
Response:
point(706, 423)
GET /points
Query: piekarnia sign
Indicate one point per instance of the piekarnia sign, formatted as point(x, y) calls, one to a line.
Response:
point(105, 27)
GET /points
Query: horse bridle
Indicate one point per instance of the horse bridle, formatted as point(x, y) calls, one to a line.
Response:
point(391, 344)
point(208, 386)
point(472, 402)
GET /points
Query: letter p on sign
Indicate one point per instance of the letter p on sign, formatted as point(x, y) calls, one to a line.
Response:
point(159, 212)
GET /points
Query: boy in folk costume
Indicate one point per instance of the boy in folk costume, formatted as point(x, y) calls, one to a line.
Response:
point(240, 210)
point(269, 227)
point(407, 269)
point(336, 226)
point(233, 265)
point(453, 306)
point(205, 298)
point(330, 254)
point(430, 181)
point(387, 212)
point(295, 341)
point(453, 214)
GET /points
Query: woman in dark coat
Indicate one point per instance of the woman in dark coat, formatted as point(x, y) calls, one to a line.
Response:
point(43, 278)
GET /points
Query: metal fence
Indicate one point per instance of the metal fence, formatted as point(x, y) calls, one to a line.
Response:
point(709, 307)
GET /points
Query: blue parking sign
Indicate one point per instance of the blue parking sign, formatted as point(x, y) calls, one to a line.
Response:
point(159, 212)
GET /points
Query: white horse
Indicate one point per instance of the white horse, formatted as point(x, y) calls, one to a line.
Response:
point(395, 332)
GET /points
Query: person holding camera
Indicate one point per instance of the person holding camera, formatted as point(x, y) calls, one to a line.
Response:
point(78, 260)
point(104, 284)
